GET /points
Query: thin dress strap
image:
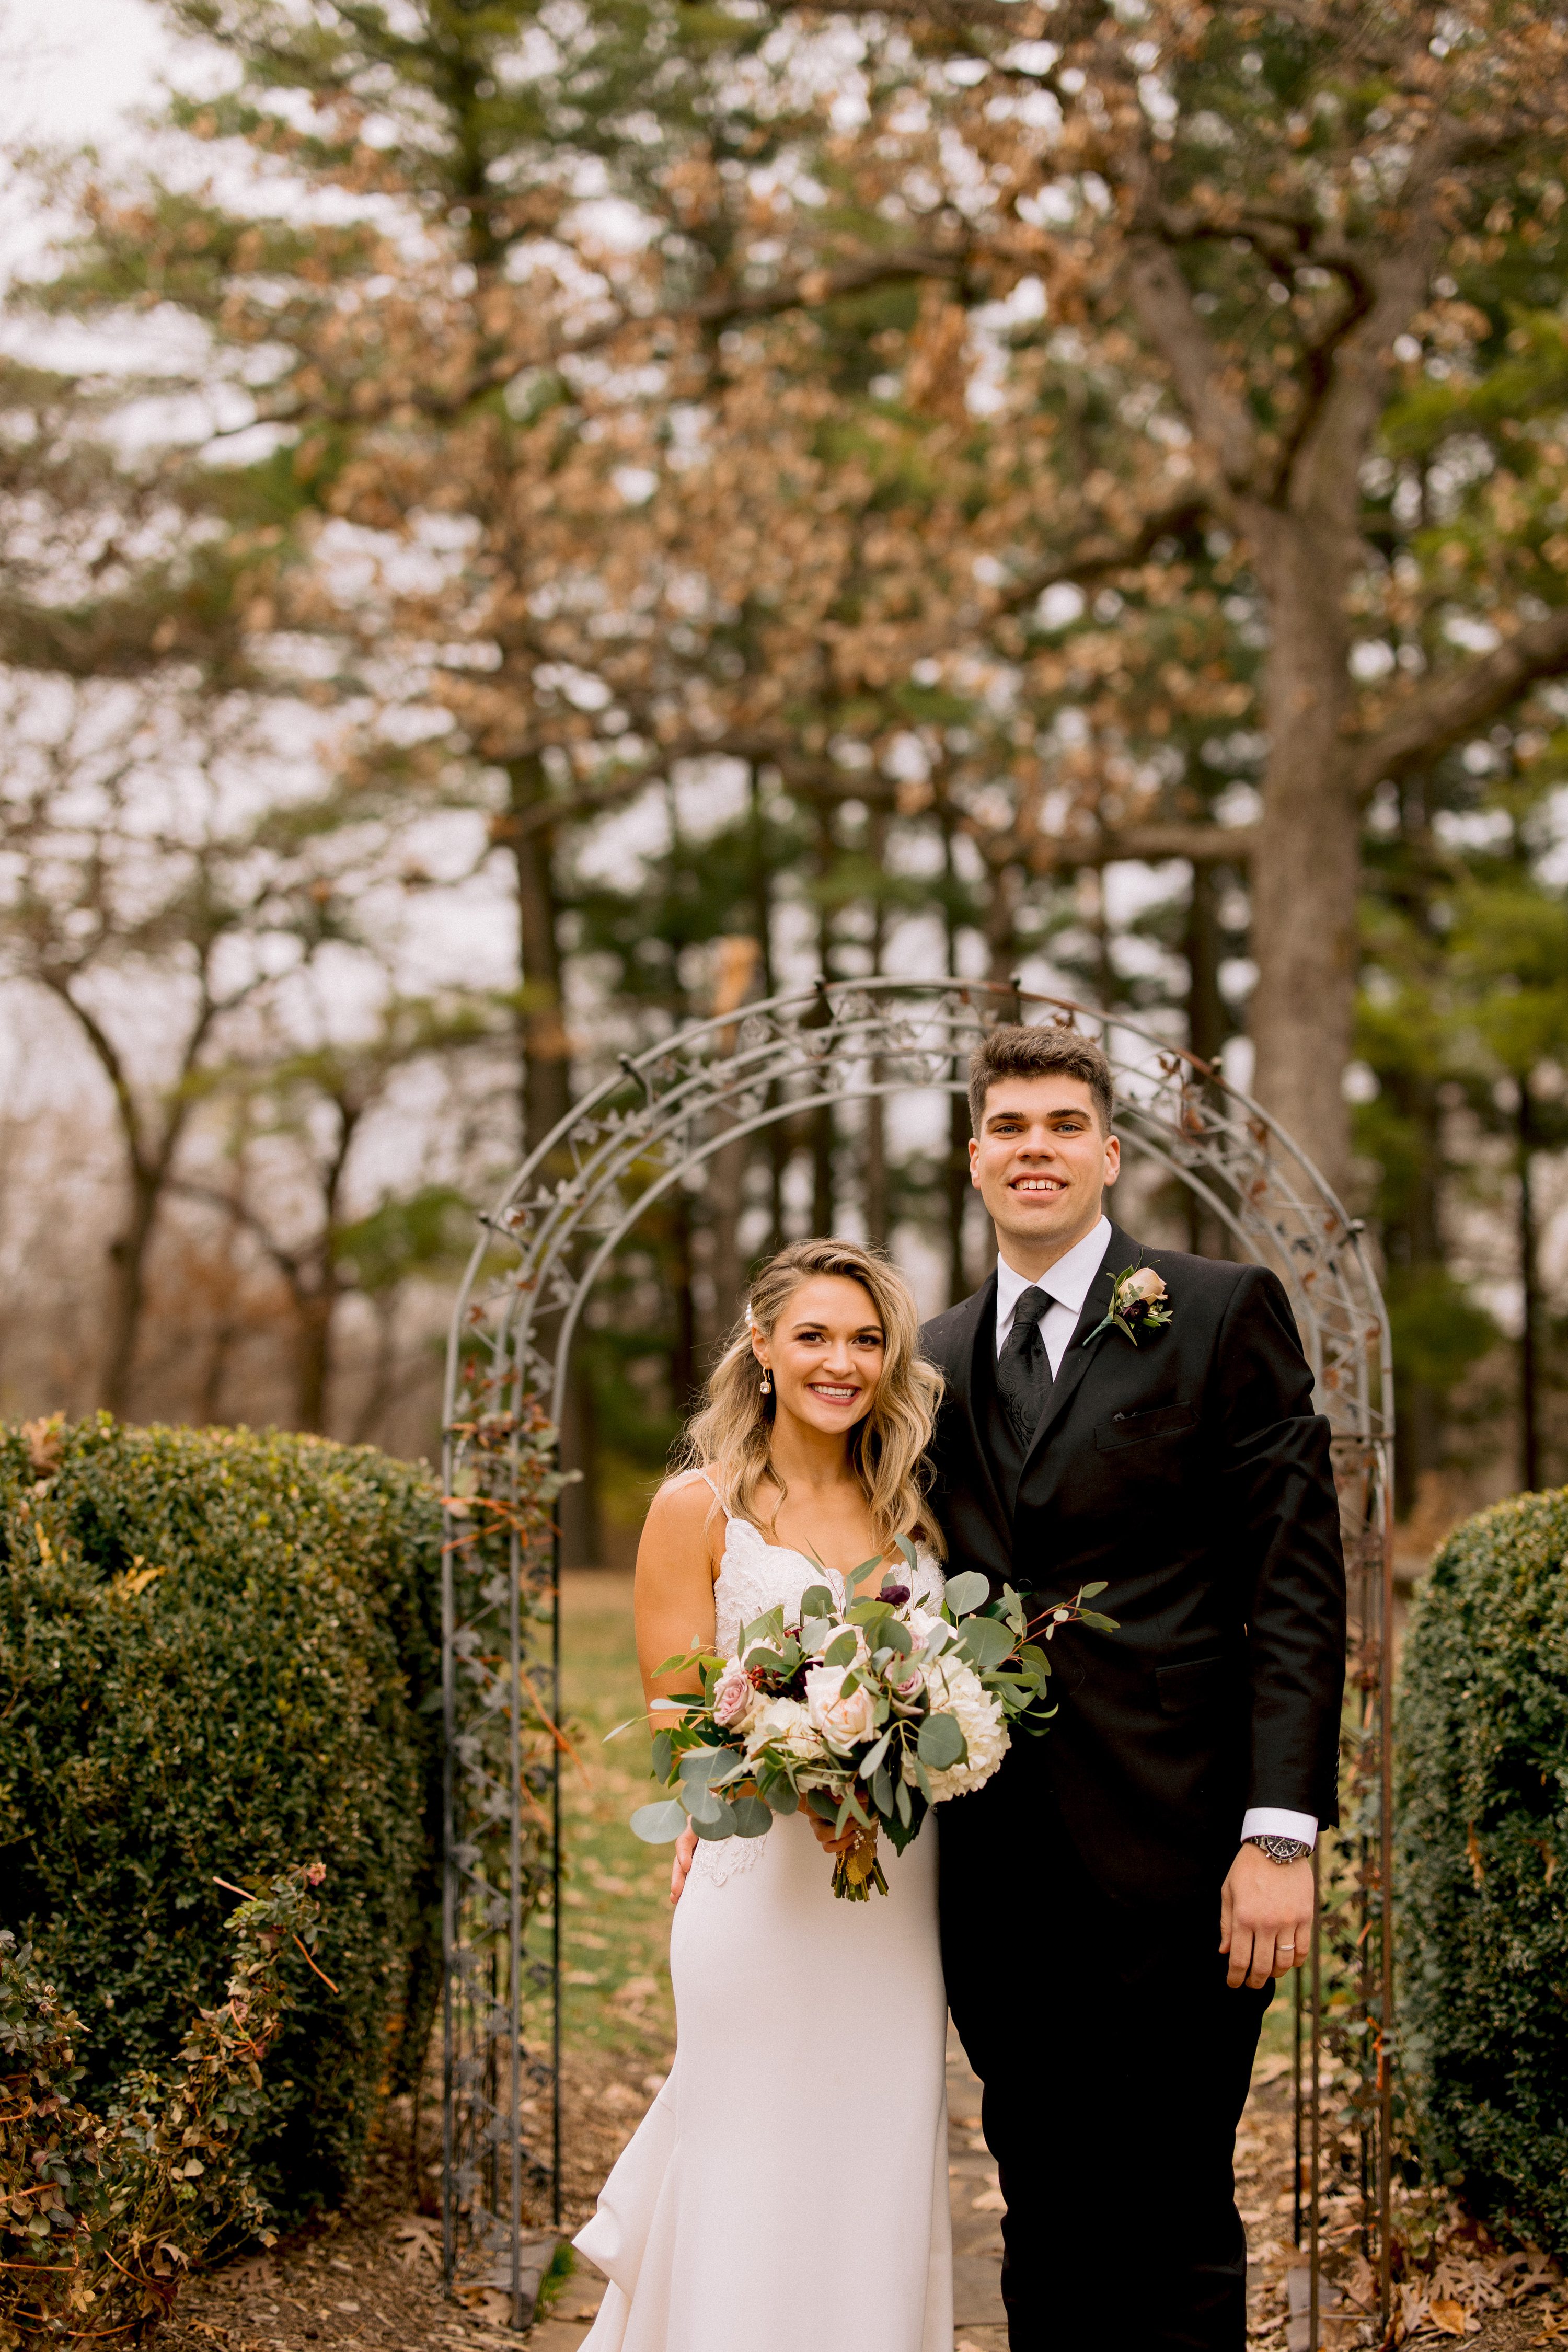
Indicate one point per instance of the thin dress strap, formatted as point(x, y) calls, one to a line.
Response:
point(718, 1497)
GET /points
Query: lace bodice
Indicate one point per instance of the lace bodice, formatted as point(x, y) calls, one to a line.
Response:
point(756, 1575)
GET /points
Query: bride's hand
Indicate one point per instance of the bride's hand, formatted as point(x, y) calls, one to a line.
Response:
point(685, 1847)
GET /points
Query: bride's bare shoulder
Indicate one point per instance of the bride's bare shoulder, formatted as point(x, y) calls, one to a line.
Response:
point(683, 1505)
point(684, 1523)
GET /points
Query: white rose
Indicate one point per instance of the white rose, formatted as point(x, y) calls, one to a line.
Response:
point(843, 1719)
point(957, 1690)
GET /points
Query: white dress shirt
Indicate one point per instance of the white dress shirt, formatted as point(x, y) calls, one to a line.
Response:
point(1068, 1283)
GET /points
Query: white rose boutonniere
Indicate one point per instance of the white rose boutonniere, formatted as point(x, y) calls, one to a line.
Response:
point(1138, 1302)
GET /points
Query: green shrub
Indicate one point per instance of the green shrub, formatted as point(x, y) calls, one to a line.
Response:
point(1482, 1890)
point(218, 1651)
point(101, 2216)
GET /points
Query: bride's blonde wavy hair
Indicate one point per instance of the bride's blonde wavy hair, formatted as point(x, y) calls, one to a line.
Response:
point(731, 1434)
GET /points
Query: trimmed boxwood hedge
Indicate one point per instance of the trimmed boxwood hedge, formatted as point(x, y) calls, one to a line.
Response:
point(1482, 1894)
point(219, 1656)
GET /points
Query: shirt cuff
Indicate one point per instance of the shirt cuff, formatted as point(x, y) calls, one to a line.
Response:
point(1273, 1820)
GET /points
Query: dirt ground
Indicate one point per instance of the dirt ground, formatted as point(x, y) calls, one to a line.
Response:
point(369, 2278)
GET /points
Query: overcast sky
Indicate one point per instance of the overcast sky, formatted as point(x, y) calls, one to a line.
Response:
point(71, 69)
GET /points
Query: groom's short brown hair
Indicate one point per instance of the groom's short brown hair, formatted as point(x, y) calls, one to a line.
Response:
point(1014, 1050)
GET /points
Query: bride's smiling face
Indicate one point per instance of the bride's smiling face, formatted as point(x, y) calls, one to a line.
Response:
point(826, 1353)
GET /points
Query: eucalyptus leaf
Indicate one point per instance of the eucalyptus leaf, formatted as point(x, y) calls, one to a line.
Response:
point(986, 1642)
point(704, 1808)
point(873, 1756)
point(657, 1825)
point(777, 1793)
point(1088, 1592)
point(882, 1789)
point(908, 1549)
point(663, 1756)
point(1101, 1624)
point(1032, 1656)
point(902, 1801)
point(721, 1824)
point(893, 1635)
point(967, 1591)
point(701, 1765)
point(752, 1817)
point(840, 1649)
point(942, 1743)
point(816, 1601)
point(770, 1661)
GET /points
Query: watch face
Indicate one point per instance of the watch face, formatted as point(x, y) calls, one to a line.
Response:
point(1282, 1849)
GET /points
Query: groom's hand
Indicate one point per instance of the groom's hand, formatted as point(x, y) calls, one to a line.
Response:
point(1265, 1916)
point(685, 1847)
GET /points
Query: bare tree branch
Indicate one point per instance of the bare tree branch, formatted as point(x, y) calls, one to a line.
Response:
point(1439, 714)
point(1097, 560)
point(1164, 302)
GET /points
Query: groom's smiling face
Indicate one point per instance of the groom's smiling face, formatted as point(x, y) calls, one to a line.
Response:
point(1041, 1162)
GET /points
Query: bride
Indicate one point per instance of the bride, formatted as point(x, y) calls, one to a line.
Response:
point(788, 2187)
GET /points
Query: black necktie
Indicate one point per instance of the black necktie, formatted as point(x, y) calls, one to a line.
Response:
point(1023, 1369)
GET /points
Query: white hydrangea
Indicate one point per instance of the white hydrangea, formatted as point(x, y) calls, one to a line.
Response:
point(956, 1689)
point(783, 1723)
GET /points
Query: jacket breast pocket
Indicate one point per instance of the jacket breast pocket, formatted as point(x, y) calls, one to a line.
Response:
point(1133, 1428)
point(1192, 1682)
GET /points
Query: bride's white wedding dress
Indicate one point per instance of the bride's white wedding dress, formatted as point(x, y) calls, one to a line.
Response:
point(788, 2189)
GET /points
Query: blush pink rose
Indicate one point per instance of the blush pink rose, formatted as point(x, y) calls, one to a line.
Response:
point(734, 1698)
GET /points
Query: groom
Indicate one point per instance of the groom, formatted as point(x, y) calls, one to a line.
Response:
point(1118, 1901)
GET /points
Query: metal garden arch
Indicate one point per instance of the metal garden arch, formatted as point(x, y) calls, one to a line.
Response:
point(654, 1124)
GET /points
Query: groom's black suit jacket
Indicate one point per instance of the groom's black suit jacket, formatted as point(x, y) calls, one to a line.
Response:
point(1191, 1473)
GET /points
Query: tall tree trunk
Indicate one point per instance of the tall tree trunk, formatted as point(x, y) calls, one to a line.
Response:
point(1413, 1245)
point(546, 1063)
point(313, 1309)
point(956, 1187)
point(877, 1201)
point(683, 1351)
point(1529, 1287)
point(1206, 1028)
point(127, 1255)
point(1306, 862)
point(739, 961)
point(546, 1100)
point(822, 1136)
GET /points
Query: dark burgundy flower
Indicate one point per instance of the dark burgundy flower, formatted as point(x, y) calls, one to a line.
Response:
point(895, 1594)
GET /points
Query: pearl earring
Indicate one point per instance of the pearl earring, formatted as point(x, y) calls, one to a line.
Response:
point(767, 1382)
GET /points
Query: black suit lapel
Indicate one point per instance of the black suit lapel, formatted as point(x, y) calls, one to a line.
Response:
point(1120, 1252)
point(977, 1328)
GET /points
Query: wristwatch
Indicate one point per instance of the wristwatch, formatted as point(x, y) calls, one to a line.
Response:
point(1280, 1849)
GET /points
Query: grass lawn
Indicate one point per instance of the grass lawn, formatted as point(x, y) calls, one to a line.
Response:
point(616, 1914)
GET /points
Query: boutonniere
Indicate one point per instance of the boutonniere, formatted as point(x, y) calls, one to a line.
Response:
point(1138, 1303)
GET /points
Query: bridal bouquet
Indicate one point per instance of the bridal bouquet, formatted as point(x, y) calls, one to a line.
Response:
point(866, 1714)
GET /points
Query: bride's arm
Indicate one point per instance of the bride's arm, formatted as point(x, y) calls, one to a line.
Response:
point(677, 1560)
point(674, 1593)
